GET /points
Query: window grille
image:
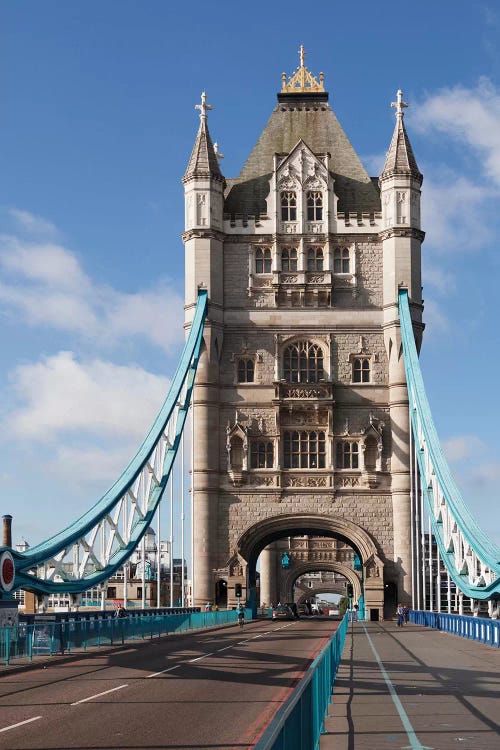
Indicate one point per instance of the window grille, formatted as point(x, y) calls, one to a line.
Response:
point(303, 363)
point(262, 455)
point(262, 260)
point(361, 370)
point(289, 259)
point(304, 450)
point(314, 205)
point(288, 206)
point(314, 259)
point(347, 455)
point(341, 260)
point(246, 371)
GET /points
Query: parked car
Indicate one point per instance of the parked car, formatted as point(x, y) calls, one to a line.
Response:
point(282, 612)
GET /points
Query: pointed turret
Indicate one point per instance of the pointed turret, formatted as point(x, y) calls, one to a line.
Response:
point(400, 158)
point(204, 186)
point(203, 162)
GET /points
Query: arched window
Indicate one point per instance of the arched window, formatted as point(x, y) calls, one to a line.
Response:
point(314, 205)
point(245, 371)
point(303, 363)
point(371, 453)
point(236, 453)
point(288, 206)
point(262, 260)
point(304, 449)
point(314, 259)
point(289, 259)
point(341, 260)
point(361, 370)
point(262, 455)
point(347, 455)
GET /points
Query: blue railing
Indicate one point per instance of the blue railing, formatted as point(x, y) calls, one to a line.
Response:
point(25, 641)
point(475, 628)
point(298, 724)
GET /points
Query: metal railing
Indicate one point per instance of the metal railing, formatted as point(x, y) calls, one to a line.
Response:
point(26, 641)
point(478, 629)
point(298, 724)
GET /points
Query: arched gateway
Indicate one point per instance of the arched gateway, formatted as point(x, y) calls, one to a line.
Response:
point(300, 403)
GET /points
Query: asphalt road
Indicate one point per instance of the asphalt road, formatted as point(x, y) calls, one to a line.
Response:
point(215, 689)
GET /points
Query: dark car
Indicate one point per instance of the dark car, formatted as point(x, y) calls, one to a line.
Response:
point(282, 612)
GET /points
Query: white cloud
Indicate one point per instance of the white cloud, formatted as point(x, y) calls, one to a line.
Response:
point(463, 447)
point(434, 318)
point(374, 163)
point(60, 397)
point(33, 224)
point(439, 278)
point(455, 213)
point(467, 115)
point(487, 474)
point(46, 284)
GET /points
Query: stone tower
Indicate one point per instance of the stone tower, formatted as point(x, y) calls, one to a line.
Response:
point(300, 404)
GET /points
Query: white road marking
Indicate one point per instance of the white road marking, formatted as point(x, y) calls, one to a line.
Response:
point(169, 669)
point(20, 723)
point(190, 661)
point(225, 648)
point(98, 695)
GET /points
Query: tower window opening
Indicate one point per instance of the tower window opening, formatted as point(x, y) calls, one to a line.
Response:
point(288, 206)
point(262, 455)
point(347, 455)
point(303, 363)
point(263, 260)
point(246, 371)
point(314, 205)
point(314, 259)
point(304, 450)
point(361, 370)
point(289, 259)
point(341, 260)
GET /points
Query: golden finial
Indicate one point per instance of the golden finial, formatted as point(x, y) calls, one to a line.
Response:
point(302, 79)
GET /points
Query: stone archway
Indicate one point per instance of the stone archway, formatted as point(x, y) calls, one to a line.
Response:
point(335, 567)
point(259, 535)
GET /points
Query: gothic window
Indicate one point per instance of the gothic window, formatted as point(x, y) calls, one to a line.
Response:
point(361, 370)
point(304, 449)
point(111, 592)
point(289, 259)
point(314, 205)
point(236, 454)
point(288, 206)
point(262, 260)
point(246, 371)
point(314, 259)
point(347, 455)
point(262, 455)
point(341, 260)
point(371, 453)
point(303, 363)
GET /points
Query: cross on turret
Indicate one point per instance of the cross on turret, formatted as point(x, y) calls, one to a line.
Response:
point(399, 104)
point(203, 107)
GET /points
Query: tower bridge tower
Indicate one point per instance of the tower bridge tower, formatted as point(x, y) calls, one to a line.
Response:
point(300, 404)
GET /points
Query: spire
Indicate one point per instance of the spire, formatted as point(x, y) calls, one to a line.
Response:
point(203, 161)
point(302, 81)
point(400, 158)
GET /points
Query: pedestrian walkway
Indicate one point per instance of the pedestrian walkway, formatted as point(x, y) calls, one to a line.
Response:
point(415, 688)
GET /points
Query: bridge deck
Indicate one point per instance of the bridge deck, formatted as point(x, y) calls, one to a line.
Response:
point(416, 688)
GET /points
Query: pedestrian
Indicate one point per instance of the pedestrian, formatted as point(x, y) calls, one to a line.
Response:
point(400, 614)
point(241, 615)
point(406, 613)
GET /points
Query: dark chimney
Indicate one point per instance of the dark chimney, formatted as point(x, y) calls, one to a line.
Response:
point(7, 531)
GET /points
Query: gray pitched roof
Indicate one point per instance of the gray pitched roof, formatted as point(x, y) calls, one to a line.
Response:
point(400, 157)
point(310, 119)
point(203, 161)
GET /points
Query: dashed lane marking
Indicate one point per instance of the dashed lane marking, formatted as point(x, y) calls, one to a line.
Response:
point(20, 723)
point(98, 695)
point(162, 671)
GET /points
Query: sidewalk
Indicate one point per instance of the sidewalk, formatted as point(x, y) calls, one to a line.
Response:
point(415, 688)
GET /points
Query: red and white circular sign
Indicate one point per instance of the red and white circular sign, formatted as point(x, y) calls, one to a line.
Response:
point(7, 571)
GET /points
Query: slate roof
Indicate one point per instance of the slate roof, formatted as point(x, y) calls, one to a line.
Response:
point(400, 157)
point(310, 118)
point(203, 161)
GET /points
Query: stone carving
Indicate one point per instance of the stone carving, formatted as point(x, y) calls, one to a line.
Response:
point(304, 393)
point(341, 481)
point(287, 278)
point(260, 481)
point(316, 278)
point(305, 481)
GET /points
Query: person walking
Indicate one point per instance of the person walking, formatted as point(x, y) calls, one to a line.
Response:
point(400, 615)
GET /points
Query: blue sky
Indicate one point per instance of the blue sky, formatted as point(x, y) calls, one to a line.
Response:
point(97, 123)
